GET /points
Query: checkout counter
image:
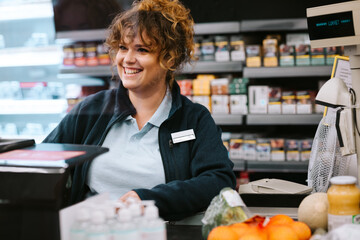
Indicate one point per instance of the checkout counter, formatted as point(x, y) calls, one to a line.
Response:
point(33, 189)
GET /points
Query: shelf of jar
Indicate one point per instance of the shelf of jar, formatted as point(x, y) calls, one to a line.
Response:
point(197, 67)
point(283, 119)
point(228, 119)
point(270, 166)
point(296, 71)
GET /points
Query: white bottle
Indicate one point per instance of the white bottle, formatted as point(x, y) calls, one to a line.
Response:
point(136, 213)
point(81, 224)
point(153, 227)
point(98, 229)
point(125, 229)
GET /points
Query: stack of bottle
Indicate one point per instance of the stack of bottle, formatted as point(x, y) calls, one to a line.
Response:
point(115, 221)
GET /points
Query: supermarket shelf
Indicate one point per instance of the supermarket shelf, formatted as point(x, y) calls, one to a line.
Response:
point(67, 37)
point(274, 25)
point(283, 119)
point(31, 118)
point(228, 119)
point(217, 28)
point(87, 71)
point(213, 67)
point(277, 166)
point(239, 165)
point(269, 72)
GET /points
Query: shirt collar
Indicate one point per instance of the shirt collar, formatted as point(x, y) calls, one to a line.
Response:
point(162, 113)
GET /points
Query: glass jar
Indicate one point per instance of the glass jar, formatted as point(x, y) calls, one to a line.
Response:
point(344, 199)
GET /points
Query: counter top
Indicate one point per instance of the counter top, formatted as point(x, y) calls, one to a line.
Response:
point(183, 232)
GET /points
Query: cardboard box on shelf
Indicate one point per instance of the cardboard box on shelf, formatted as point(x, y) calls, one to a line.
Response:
point(237, 48)
point(219, 86)
point(220, 104)
point(292, 147)
point(277, 149)
point(263, 149)
point(253, 55)
point(270, 52)
point(238, 104)
point(288, 105)
point(258, 99)
point(302, 55)
point(274, 105)
point(317, 56)
point(287, 55)
point(303, 102)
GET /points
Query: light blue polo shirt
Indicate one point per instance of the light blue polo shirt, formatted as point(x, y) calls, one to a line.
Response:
point(134, 159)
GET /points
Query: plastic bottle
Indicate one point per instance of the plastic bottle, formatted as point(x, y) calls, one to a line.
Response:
point(98, 229)
point(80, 226)
point(344, 199)
point(125, 229)
point(153, 227)
point(136, 213)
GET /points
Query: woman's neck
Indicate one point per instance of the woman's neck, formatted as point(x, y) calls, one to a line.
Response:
point(147, 103)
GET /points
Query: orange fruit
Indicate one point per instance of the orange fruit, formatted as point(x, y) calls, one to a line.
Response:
point(280, 219)
point(302, 230)
point(254, 236)
point(281, 232)
point(222, 233)
point(241, 228)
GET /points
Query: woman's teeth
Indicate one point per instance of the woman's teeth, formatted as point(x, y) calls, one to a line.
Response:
point(132, 71)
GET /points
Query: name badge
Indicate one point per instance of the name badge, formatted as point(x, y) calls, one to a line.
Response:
point(183, 136)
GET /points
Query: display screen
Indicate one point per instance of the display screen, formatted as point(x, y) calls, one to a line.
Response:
point(74, 15)
point(331, 26)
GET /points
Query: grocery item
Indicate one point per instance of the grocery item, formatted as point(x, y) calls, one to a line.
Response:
point(344, 200)
point(225, 209)
point(270, 49)
point(278, 227)
point(313, 210)
point(222, 52)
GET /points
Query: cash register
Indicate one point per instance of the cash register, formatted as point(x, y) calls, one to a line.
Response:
point(35, 183)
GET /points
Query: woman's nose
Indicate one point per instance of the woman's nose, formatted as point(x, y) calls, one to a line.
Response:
point(129, 57)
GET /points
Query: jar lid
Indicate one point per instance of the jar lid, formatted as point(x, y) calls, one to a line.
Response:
point(342, 180)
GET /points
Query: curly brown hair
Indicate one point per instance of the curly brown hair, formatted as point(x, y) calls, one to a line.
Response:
point(166, 23)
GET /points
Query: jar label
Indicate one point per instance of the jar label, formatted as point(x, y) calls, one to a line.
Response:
point(335, 221)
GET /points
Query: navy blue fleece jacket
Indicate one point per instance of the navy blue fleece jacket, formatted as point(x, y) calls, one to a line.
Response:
point(195, 170)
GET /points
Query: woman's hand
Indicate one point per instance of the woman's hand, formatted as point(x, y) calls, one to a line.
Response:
point(129, 195)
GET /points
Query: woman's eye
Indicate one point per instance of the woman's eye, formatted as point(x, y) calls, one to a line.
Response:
point(121, 47)
point(143, 50)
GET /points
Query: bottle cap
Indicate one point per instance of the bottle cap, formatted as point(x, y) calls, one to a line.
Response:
point(343, 180)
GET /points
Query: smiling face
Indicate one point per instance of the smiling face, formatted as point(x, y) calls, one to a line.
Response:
point(139, 67)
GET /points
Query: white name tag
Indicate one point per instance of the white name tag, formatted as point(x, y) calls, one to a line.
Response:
point(183, 136)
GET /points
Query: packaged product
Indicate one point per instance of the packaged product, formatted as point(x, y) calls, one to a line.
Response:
point(237, 48)
point(249, 147)
point(303, 102)
point(201, 86)
point(288, 103)
point(224, 209)
point(219, 86)
point(79, 55)
point(274, 105)
point(91, 54)
point(102, 54)
point(287, 55)
point(258, 99)
point(222, 50)
point(197, 50)
point(220, 104)
point(203, 100)
point(208, 49)
point(317, 56)
point(263, 149)
point(238, 104)
point(292, 147)
point(270, 52)
point(236, 147)
point(68, 55)
point(185, 86)
point(305, 149)
point(277, 149)
point(302, 55)
point(253, 55)
point(238, 86)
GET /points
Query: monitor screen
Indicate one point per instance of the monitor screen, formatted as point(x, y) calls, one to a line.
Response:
point(75, 15)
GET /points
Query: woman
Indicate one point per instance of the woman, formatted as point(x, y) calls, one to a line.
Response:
point(143, 121)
